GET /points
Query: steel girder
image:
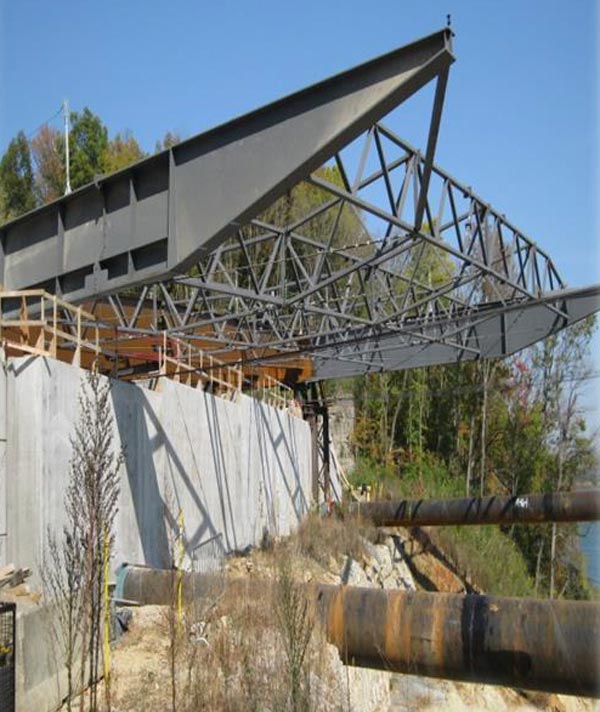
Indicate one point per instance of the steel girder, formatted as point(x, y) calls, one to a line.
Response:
point(307, 227)
point(155, 218)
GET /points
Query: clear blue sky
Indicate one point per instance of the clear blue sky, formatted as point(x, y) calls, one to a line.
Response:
point(520, 120)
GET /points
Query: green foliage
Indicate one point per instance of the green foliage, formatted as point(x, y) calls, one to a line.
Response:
point(88, 144)
point(485, 555)
point(517, 424)
point(428, 477)
point(488, 557)
point(92, 153)
point(120, 152)
point(16, 179)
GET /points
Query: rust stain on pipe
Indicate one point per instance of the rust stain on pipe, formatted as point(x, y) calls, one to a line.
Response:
point(582, 506)
point(545, 645)
point(335, 621)
point(553, 646)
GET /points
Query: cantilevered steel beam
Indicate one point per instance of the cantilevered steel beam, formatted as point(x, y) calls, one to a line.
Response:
point(526, 643)
point(162, 214)
point(309, 229)
point(492, 330)
point(583, 506)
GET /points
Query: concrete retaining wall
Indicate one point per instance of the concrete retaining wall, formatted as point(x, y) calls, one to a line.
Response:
point(3, 427)
point(236, 469)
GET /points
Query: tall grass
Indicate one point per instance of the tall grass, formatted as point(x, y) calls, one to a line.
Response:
point(485, 555)
point(251, 649)
point(326, 538)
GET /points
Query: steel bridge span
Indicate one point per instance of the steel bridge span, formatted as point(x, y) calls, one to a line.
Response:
point(305, 235)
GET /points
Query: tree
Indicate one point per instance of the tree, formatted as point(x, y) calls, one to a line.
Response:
point(562, 360)
point(91, 154)
point(16, 179)
point(168, 141)
point(121, 151)
point(62, 578)
point(88, 143)
point(48, 148)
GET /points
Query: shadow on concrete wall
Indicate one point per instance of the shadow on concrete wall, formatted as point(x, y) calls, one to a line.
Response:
point(156, 493)
point(139, 449)
point(290, 472)
point(266, 488)
point(18, 366)
point(221, 475)
point(156, 516)
point(206, 527)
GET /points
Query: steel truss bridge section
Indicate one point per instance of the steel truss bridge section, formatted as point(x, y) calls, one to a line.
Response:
point(307, 229)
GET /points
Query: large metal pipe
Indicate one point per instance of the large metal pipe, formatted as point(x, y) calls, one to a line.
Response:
point(583, 506)
point(527, 643)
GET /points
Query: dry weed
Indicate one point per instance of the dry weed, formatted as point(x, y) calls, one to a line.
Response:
point(323, 538)
point(250, 647)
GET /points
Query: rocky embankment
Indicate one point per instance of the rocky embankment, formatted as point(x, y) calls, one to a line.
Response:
point(409, 562)
point(333, 553)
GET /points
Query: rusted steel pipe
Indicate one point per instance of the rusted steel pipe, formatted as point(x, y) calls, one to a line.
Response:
point(583, 506)
point(528, 643)
point(148, 586)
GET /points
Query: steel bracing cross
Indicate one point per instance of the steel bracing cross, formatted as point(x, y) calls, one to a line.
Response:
point(307, 229)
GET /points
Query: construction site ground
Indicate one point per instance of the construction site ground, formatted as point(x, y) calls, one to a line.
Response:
point(242, 661)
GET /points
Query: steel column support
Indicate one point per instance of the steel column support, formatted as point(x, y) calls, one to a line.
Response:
point(326, 452)
point(316, 415)
point(314, 443)
point(310, 415)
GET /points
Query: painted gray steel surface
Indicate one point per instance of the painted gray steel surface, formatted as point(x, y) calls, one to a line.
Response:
point(491, 332)
point(147, 220)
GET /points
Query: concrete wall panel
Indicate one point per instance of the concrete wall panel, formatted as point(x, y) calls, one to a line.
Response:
point(235, 469)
